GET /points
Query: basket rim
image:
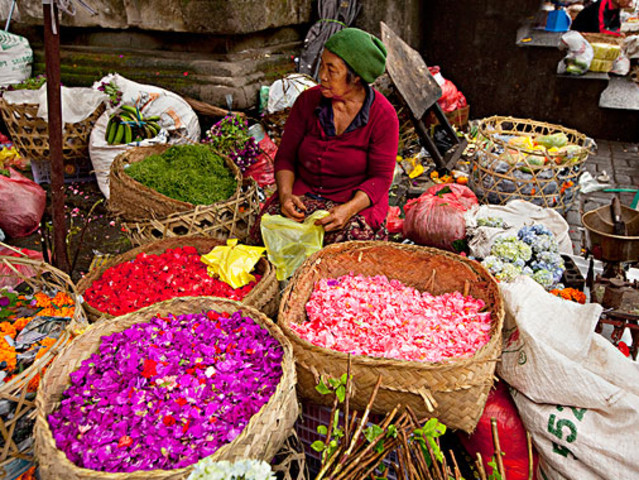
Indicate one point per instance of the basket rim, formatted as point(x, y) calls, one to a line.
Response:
point(497, 315)
point(123, 159)
point(186, 240)
point(288, 374)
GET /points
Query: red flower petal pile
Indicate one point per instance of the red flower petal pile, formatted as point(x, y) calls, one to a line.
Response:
point(149, 279)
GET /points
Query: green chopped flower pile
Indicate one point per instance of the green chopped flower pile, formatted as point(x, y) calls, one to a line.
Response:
point(189, 173)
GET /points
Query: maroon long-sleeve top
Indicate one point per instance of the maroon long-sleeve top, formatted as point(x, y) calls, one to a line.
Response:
point(336, 166)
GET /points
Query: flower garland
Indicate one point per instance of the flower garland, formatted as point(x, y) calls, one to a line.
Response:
point(164, 394)
point(16, 312)
point(149, 279)
point(379, 317)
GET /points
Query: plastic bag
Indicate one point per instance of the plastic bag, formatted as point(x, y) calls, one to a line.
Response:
point(289, 243)
point(621, 66)
point(501, 407)
point(580, 54)
point(285, 91)
point(263, 170)
point(451, 98)
point(233, 263)
point(436, 218)
point(22, 203)
point(394, 224)
point(8, 277)
point(178, 121)
point(16, 58)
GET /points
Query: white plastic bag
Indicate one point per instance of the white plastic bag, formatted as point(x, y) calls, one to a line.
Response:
point(621, 66)
point(576, 393)
point(178, 121)
point(284, 92)
point(515, 214)
point(580, 54)
point(16, 58)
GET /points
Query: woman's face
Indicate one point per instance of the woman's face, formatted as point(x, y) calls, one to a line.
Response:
point(333, 76)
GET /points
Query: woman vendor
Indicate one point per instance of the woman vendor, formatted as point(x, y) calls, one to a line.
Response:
point(339, 144)
point(603, 16)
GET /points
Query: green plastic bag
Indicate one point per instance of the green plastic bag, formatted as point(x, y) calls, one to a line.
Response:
point(288, 243)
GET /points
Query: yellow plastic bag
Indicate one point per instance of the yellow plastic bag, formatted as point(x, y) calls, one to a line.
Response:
point(289, 243)
point(233, 263)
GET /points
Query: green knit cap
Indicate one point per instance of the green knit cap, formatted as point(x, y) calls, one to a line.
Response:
point(363, 52)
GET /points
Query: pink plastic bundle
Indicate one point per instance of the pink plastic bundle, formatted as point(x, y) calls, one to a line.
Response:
point(436, 218)
point(379, 317)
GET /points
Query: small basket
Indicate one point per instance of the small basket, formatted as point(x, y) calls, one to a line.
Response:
point(75, 170)
point(133, 201)
point(233, 218)
point(264, 296)
point(261, 439)
point(454, 391)
point(21, 402)
point(30, 133)
point(501, 172)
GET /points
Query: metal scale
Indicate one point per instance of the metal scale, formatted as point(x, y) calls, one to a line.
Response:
point(613, 237)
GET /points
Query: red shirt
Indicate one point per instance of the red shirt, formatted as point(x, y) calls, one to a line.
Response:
point(335, 167)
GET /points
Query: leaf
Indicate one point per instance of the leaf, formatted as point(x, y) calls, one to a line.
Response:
point(318, 446)
point(322, 388)
point(343, 379)
point(341, 393)
point(392, 431)
point(322, 429)
point(372, 432)
point(443, 191)
point(334, 382)
point(495, 475)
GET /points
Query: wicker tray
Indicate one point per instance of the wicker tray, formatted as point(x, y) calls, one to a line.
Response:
point(133, 201)
point(454, 391)
point(16, 390)
point(261, 439)
point(263, 297)
point(496, 181)
point(231, 219)
point(30, 133)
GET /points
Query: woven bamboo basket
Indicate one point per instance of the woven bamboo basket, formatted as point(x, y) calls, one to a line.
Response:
point(454, 391)
point(20, 412)
point(261, 439)
point(231, 219)
point(30, 133)
point(133, 201)
point(263, 297)
point(502, 172)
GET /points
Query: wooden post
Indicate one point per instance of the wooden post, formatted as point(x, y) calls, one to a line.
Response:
point(54, 109)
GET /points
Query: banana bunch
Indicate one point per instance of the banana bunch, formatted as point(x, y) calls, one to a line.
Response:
point(128, 125)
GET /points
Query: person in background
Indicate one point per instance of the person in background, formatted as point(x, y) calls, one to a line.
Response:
point(339, 147)
point(603, 16)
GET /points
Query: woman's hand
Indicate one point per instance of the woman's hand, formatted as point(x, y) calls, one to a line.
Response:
point(337, 219)
point(292, 207)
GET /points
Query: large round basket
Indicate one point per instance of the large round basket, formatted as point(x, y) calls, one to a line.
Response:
point(454, 391)
point(261, 439)
point(263, 297)
point(501, 172)
point(30, 133)
point(17, 402)
point(231, 219)
point(133, 201)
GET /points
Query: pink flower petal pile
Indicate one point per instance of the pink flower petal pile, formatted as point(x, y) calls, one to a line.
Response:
point(379, 317)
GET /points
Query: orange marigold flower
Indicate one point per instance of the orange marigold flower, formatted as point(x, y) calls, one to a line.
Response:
point(62, 299)
point(7, 328)
point(21, 322)
point(43, 301)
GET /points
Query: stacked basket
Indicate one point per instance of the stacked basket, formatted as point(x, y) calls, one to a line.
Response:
point(454, 391)
point(18, 404)
point(263, 297)
point(148, 215)
point(502, 171)
point(30, 134)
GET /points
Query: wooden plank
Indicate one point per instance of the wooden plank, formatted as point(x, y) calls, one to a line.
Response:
point(409, 73)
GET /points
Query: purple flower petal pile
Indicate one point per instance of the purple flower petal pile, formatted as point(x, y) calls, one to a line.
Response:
point(164, 394)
